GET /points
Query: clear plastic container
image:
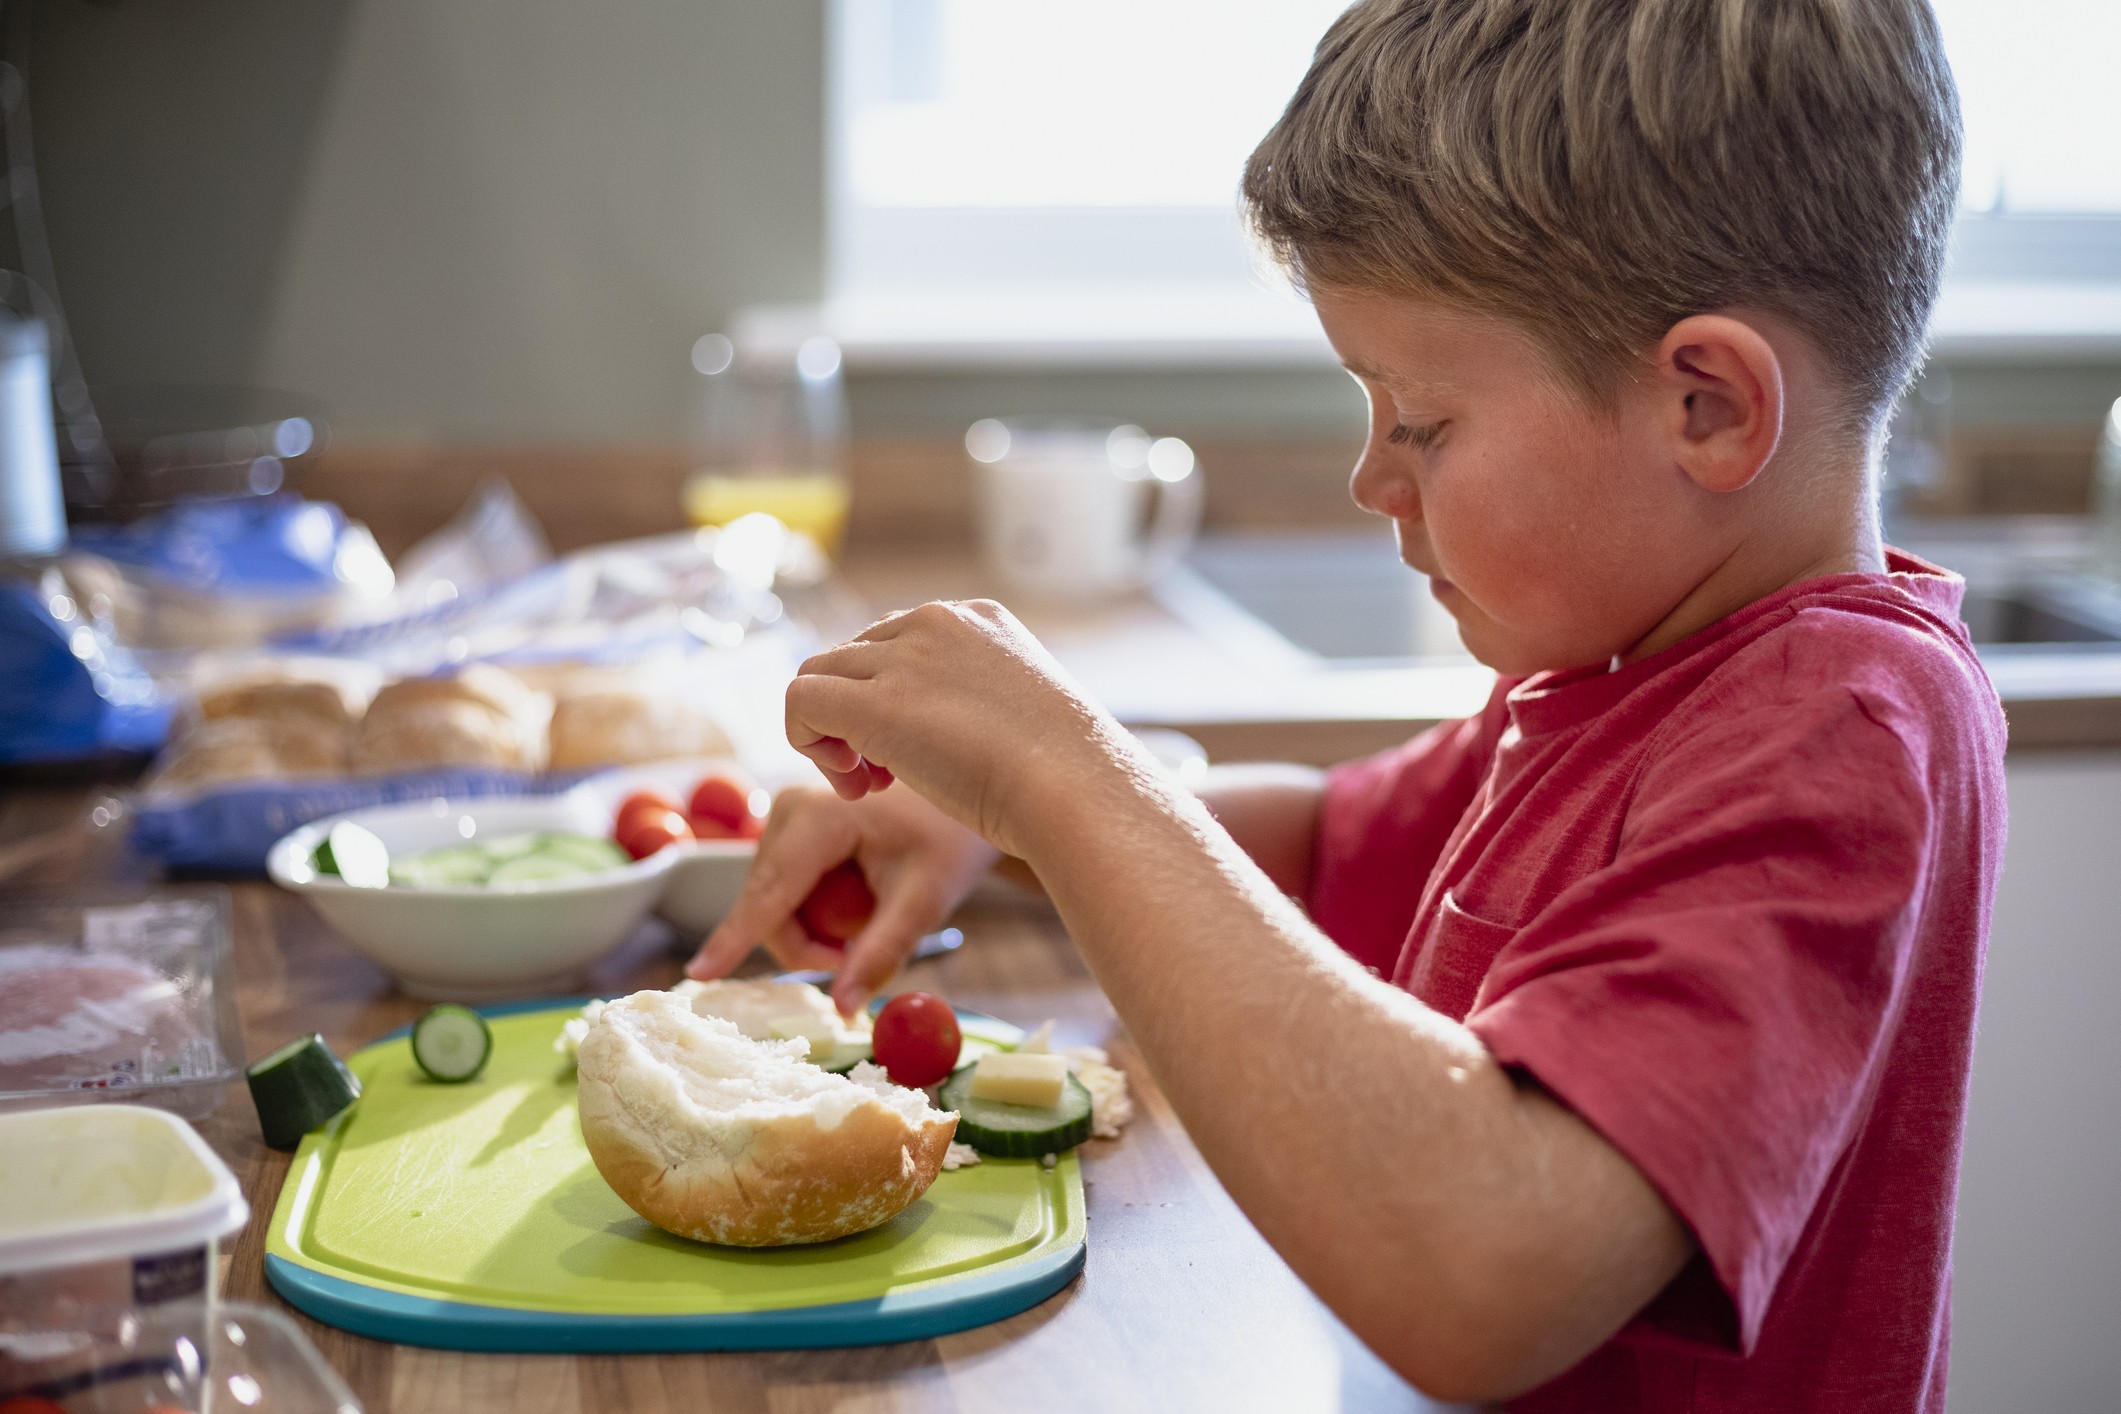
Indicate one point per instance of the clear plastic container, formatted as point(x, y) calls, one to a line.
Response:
point(109, 1215)
point(110, 998)
point(217, 1359)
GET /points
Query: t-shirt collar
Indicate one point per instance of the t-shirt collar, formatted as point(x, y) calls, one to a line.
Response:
point(1565, 697)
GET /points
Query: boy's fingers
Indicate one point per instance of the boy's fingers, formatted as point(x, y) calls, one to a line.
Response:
point(795, 951)
point(818, 712)
point(718, 955)
point(786, 868)
point(884, 944)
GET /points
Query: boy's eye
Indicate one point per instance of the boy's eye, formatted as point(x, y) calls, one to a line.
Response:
point(1420, 437)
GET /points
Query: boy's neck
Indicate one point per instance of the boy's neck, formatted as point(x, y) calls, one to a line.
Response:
point(1826, 524)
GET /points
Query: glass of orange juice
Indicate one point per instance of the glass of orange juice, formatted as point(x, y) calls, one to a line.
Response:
point(769, 434)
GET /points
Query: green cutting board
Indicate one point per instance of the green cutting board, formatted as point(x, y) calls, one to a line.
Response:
point(469, 1216)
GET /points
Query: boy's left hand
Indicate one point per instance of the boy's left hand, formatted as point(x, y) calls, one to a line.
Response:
point(961, 702)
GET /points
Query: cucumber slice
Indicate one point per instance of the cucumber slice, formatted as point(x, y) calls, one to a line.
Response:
point(588, 851)
point(441, 868)
point(537, 869)
point(356, 856)
point(1008, 1131)
point(451, 1043)
point(300, 1087)
point(502, 847)
point(847, 1055)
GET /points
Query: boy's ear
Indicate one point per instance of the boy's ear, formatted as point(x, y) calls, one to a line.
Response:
point(1720, 383)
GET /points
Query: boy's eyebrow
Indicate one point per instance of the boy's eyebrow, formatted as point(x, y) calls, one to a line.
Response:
point(1397, 382)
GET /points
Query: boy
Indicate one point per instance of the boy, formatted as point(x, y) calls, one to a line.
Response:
point(1617, 1056)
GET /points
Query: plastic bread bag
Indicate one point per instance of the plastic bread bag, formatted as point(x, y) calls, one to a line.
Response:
point(69, 690)
point(228, 572)
point(672, 647)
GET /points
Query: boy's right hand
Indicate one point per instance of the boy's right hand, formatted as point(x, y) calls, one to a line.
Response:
point(917, 860)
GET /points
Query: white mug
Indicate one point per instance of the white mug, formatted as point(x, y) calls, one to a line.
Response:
point(1063, 507)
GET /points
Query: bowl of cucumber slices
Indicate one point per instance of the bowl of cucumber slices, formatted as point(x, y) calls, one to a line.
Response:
point(482, 899)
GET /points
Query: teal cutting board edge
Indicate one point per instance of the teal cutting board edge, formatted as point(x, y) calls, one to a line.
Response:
point(469, 1217)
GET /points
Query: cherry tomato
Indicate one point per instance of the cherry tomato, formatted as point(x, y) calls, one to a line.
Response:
point(721, 810)
point(840, 904)
point(916, 1039)
point(30, 1404)
point(646, 831)
point(640, 802)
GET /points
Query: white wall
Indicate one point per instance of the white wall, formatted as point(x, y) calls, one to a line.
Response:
point(2037, 1290)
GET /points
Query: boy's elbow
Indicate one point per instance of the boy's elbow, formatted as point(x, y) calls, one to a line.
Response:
point(1468, 1357)
point(1496, 1324)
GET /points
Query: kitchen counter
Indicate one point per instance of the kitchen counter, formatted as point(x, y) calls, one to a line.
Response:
point(1181, 1306)
point(1187, 658)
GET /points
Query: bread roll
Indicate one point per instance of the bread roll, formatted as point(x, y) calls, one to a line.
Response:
point(616, 726)
point(253, 748)
point(482, 716)
point(305, 702)
point(722, 1139)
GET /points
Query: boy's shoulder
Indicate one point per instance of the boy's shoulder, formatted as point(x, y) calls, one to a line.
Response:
point(1889, 647)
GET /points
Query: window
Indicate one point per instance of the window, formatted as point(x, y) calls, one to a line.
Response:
point(2036, 91)
point(1058, 182)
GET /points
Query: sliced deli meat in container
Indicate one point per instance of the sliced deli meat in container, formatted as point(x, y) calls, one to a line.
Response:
point(129, 1000)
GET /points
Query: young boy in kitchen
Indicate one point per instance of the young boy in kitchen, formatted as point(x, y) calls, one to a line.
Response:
point(1607, 1050)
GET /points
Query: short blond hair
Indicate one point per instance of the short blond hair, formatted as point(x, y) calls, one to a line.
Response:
point(1597, 170)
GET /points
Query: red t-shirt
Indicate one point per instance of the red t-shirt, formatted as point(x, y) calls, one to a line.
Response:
point(1729, 904)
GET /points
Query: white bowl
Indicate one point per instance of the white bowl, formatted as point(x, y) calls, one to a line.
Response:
point(478, 942)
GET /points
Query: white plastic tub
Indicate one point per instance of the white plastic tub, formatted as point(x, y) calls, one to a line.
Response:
point(106, 1212)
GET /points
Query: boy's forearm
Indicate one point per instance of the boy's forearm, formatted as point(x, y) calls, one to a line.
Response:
point(1466, 1225)
point(1271, 810)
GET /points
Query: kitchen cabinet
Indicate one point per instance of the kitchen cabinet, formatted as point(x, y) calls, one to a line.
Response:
point(2037, 1283)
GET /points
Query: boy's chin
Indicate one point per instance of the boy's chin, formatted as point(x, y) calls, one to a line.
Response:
point(1513, 657)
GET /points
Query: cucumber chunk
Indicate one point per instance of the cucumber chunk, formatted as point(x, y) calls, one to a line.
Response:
point(1007, 1131)
point(451, 1043)
point(300, 1087)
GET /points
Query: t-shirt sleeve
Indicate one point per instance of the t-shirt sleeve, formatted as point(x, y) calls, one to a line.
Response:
point(1382, 826)
point(1716, 1001)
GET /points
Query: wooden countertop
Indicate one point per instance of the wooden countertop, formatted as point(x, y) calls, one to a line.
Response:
point(1182, 1306)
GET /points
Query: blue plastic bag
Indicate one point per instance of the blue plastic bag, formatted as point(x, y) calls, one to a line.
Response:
point(67, 693)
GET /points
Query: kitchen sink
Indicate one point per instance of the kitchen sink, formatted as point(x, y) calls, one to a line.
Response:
point(2065, 614)
point(1344, 599)
point(1343, 596)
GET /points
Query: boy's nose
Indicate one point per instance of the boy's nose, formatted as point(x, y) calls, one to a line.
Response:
point(1383, 489)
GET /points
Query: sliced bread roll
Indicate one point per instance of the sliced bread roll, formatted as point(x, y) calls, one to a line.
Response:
point(719, 1138)
point(757, 1004)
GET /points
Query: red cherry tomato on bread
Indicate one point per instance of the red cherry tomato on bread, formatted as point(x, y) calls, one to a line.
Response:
point(646, 831)
point(721, 810)
point(839, 906)
point(917, 1039)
